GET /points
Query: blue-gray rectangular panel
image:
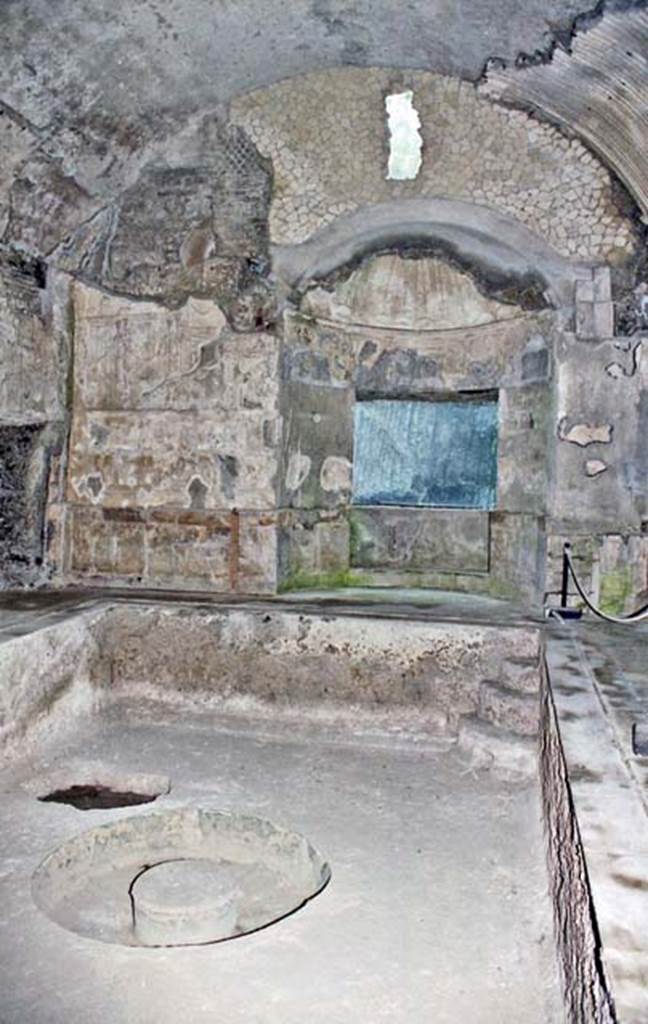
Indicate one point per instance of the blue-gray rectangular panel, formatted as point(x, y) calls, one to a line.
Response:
point(425, 453)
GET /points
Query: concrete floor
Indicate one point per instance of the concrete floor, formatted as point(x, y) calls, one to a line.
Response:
point(437, 909)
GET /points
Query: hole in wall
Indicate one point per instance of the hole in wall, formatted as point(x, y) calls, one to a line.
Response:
point(405, 141)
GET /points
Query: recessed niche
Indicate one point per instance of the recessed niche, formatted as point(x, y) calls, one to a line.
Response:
point(437, 454)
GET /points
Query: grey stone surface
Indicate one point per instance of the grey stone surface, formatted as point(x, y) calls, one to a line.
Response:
point(580, 85)
point(184, 902)
point(640, 479)
point(154, 44)
point(217, 176)
point(523, 468)
point(478, 238)
point(285, 659)
point(33, 347)
point(280, 657)
point(598, 681)
point(586, 986)
point(261, 408)
point(313, 546)
point(536, 183)
point(451, 540)
point(173, 181)
point(509, 709)
point(521, 675)
point(598, 417)
point(493, 356)
point(486, 746)
point(598, 694)
point(397, 820)
point(318, 440)
point(207, 215)
point(518, 556)
point(399, 372)
point(49, 677)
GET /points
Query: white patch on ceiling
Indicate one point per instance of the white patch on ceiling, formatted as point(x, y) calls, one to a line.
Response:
point(405, 142)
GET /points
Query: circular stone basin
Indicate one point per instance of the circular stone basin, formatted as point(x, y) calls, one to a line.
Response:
point(179, 877)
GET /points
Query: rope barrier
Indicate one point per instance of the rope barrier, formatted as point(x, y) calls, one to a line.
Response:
point(623, 620)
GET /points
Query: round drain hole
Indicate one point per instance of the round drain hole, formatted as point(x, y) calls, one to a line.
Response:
point(178, 878)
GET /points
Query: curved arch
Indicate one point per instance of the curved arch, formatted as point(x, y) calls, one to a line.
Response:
point(496, 248)
point(597, 90)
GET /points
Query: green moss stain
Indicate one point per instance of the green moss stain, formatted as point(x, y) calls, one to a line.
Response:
point(502, 590)
point(616, 588)
point(332, 580)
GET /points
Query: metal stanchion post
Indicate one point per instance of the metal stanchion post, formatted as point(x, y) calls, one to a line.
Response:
point(564, 612)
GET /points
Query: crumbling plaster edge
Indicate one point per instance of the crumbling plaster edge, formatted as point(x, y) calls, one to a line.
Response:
point(481, 234)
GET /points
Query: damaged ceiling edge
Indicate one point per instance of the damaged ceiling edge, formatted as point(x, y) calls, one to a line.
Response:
point(589, 92)
point(563, 35)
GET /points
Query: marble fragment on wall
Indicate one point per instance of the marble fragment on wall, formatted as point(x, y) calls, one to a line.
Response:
point(600, 502)
point(598, 420)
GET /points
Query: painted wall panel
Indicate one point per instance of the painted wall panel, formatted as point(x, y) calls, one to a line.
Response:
point(425, 453)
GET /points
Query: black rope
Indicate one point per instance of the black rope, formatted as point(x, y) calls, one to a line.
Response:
point(623, 620)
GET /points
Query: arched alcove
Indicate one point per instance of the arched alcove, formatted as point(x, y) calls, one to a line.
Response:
point(281, 288)
point(417, 379)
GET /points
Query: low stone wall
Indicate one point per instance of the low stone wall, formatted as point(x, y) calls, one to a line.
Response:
point(256, 656)
point(587, 996)
point(48, 677)
point(476, 682)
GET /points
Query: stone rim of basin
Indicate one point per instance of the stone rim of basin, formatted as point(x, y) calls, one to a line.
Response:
point(252, 874)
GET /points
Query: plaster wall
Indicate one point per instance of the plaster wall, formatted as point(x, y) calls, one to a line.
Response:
point(175, 424)
point(600, 499)
point(329, 364)
point(193, 437)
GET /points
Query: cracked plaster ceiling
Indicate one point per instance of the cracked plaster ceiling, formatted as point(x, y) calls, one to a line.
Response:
point(95, 89)
point(63, 59)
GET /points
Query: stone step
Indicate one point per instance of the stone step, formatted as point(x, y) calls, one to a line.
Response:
point(522, 674)
point(509, 709)
point(508, 755)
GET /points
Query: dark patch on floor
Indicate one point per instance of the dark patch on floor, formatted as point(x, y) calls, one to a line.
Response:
point(89, 798)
